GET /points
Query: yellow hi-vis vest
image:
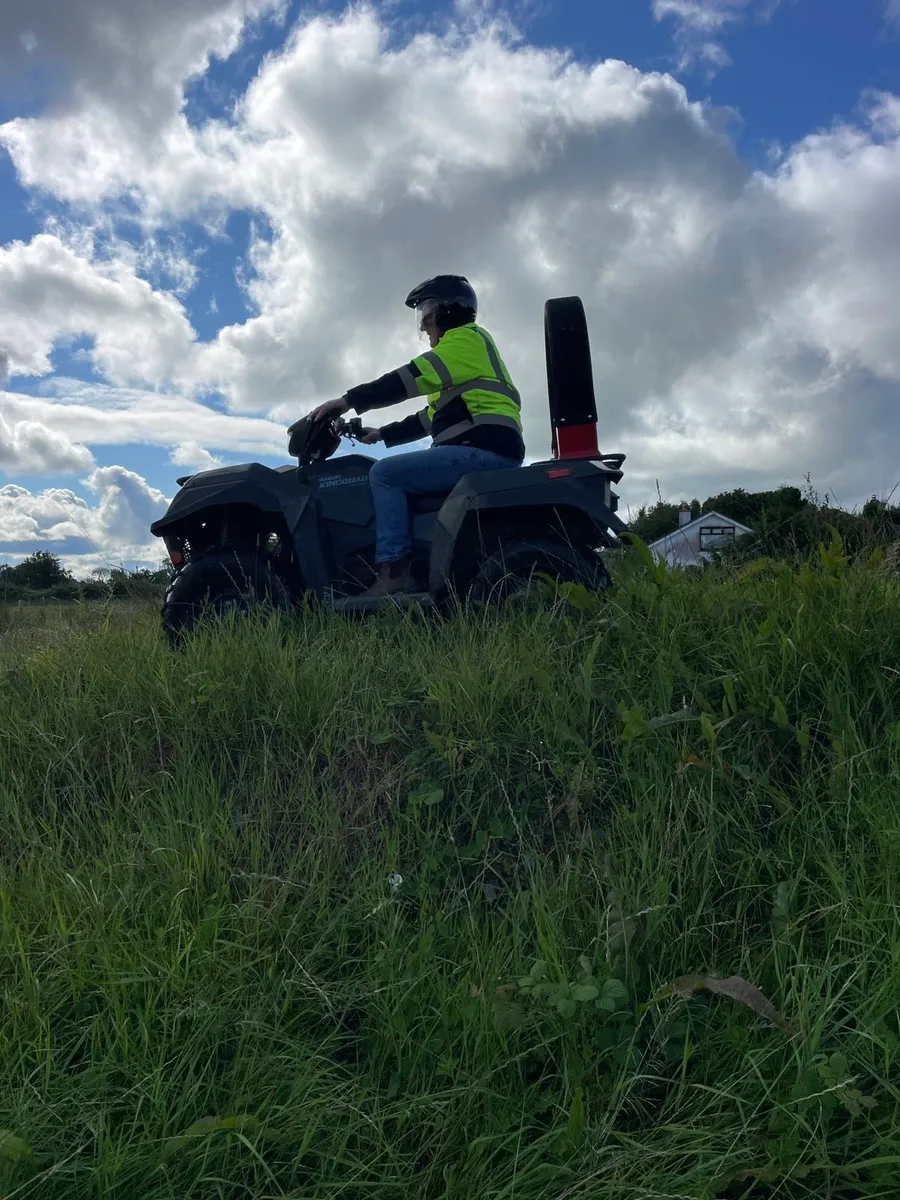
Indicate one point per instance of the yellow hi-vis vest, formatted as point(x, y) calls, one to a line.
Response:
point(466, 382)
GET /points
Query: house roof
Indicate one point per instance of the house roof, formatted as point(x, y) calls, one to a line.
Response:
point(710, 518)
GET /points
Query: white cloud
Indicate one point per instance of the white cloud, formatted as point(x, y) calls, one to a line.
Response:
point(27, 517)
point(50, 293)
point(698, 22)
point(45, 434)
point(28, 447)
point(714, 56)
point(743, 324)
point(115, 529)
point(192, 454)
point(132, 56)
point(99, 414)
point(892, 10)
point(704, 16)
point(127, 505)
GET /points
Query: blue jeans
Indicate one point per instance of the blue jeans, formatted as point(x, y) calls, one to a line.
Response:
point(418, 474)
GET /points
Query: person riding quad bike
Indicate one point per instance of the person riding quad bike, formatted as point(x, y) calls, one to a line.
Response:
point(473, 415)
point(249, 536)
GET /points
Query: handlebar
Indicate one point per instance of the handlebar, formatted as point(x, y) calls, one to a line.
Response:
point(352, 429)
point(614, 461)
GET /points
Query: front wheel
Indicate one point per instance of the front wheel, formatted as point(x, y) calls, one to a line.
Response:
point(217, 584)
point(513, 567)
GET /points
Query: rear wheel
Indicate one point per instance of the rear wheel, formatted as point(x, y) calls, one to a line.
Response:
point(515, 566)
point(217, 584)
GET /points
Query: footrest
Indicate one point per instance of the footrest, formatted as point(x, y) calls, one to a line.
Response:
point(373, 604)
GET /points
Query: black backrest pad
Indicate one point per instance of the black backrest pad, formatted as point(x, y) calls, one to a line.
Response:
point(570, 380)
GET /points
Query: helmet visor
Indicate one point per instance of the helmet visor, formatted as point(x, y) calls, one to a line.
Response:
point(426, 311)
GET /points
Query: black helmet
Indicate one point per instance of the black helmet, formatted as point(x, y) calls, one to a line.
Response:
point(451, 295)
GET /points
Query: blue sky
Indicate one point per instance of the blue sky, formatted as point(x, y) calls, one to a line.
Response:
point(204, 241)
point(790, 73)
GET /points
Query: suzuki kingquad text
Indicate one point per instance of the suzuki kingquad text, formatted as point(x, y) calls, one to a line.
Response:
point(247, 535)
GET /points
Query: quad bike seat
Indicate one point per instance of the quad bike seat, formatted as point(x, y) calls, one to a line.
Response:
point(419, 505)
point(433, 501)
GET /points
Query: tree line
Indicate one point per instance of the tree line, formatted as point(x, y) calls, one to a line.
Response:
point(42, 576)
point(786, 521)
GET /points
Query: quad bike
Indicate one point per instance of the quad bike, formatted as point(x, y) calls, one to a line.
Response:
point(250, 535)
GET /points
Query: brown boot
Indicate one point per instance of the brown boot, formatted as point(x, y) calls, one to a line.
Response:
point(393, 579)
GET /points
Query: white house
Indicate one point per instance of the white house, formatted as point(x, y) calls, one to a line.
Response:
point(691, 544)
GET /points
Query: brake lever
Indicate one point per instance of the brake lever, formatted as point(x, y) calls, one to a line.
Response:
point(352, 429)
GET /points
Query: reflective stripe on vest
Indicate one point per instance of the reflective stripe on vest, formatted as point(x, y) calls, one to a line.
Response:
point(497, 386)
point(409, 382)
point(480, 419)
point(440, 368)
point(494, 358)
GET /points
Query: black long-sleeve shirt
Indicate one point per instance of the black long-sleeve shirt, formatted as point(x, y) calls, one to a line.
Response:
point(380, 393)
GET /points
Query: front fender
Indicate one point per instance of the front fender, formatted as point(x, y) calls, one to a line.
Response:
point(250, 485)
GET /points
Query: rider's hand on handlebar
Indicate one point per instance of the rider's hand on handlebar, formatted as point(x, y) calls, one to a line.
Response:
point(370, 437)
point(331, 408)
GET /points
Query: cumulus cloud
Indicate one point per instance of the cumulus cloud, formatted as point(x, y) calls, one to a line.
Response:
point(192, 454)
point(115, 528)
point(743, 323)
point(28, 447)
point(50, 293)
point(28, 517)
point(370, 164)
point(126, 507)
point(130, 55)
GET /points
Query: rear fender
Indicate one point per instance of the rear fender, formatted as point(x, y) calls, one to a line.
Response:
point(576, 503)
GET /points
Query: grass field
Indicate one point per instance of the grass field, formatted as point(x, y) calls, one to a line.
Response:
point(215, 983)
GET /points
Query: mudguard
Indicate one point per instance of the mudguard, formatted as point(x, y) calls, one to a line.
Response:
point(249, 485)
point(584, 485)
point(284, 492)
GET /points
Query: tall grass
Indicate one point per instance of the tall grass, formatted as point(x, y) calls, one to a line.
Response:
point(387, 909)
